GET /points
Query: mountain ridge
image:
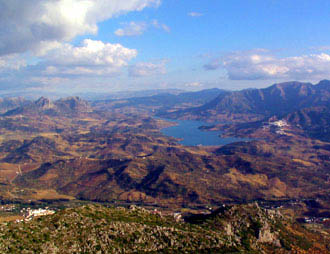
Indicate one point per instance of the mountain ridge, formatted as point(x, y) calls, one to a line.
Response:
point(43, 105)
point(278, 99)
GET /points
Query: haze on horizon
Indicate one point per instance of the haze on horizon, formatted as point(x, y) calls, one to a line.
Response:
point(99, 46)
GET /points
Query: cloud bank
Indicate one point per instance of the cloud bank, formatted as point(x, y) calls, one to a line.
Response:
point(39, 25)
point(11, 62)
point(92, 57)
point(36, 35)
point(262, 65)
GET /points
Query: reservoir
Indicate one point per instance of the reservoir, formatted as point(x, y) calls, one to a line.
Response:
point(189, 134)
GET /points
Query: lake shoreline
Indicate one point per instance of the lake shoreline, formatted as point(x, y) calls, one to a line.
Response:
point(190, 133)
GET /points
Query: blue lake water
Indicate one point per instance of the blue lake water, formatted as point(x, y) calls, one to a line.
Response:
point(188, 131)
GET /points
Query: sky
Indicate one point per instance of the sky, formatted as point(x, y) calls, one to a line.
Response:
point(104, 46)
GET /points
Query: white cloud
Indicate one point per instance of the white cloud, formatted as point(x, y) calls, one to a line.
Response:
point(158, 25)
point(91, 58)
point(38, 25)
point(147, 69)
point(193, 84)
point(321, 48)
point(132, 29)
point(195, 14)
point(46, 81)
point(137, 28)
point(261, 64)
point(11, 62)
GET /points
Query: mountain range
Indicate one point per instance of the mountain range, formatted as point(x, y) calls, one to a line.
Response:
point(69, 105)
point(303, 105)
point(9, 103)
point(278, 99)
point(161, 102)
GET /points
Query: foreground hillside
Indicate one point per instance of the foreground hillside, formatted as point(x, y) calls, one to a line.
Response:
point(96, 229)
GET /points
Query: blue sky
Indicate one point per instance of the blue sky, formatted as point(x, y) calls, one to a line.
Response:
point(70, 46)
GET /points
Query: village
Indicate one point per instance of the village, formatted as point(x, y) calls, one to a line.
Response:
point(281, 126)
point(29, 213)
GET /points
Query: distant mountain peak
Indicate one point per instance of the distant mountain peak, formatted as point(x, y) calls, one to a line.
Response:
point(292, 83)
point(44, 103)
point(324, 83)
point(73, 103)
point(66, 106)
